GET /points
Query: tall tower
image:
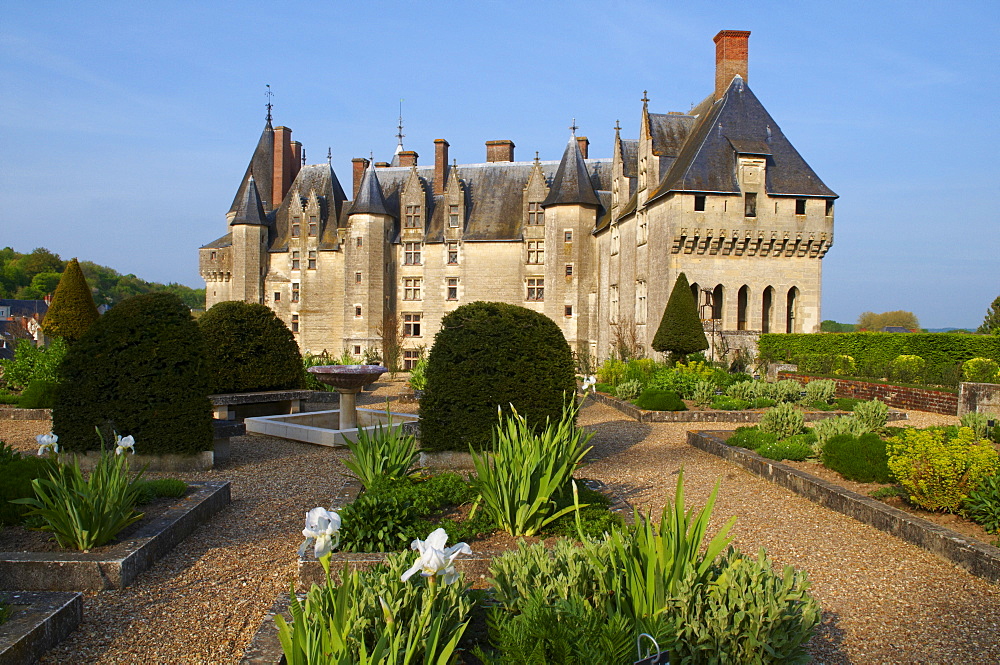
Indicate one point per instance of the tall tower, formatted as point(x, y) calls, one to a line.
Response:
point(249, 249)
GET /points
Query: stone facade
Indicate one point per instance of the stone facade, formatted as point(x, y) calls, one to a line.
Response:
point(717, 193)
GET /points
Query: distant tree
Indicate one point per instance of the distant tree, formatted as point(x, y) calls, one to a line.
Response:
point(41, 260)
point(72, 310)
point(680, 331)
point(832, 326)
point(875, 322)
point(45, 282)
point(991, 324)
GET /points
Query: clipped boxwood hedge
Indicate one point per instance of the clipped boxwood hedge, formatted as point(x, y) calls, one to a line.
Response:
point(140, 370)
point(489, 355)
point(249, 349)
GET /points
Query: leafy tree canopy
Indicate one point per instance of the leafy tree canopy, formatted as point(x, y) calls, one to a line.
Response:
point(34, 275)
point(830, 325)
point(875, 322)
point(991, 324)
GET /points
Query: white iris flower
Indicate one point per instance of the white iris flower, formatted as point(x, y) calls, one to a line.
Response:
point(435, 558)
point(47, 443)
point(590, 382)
point(323, 529)
point(124, 444)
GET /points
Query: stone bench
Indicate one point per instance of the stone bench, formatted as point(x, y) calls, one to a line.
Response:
point(237, 406)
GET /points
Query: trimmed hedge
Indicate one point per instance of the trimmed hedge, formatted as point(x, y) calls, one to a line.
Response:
point(491, 355)
point(249, 349)
point(654, 399)
point(16, 475)
point(860, 458)
point(140, 370)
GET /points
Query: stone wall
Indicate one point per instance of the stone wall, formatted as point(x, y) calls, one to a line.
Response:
point(981, 397)
point(917, 399)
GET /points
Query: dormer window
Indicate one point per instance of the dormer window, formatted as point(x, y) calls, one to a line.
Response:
point(800, 206)
point(296, 230)
point(313, 229)
point(750, 204)
point(412, 218)
point(453, 216)
point(536, 216)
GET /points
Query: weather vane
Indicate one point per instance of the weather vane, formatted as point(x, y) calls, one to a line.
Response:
point(400, 134)
point(329, 155)
point(303, 156)
point(269, 95)
point(573, 127)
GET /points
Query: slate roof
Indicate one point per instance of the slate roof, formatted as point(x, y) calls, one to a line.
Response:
point(27, 308)
point(261, 165)
point(572, 183)
point(369, 199)
point(219, 243)
point(737, 122)
point(321, 179)
point(250, 210)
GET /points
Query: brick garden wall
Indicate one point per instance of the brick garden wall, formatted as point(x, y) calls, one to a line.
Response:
point(917, 399)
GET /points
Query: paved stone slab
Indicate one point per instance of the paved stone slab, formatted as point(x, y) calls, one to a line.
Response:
point(39, 622)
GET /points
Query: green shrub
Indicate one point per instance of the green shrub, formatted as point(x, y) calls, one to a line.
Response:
point(605, 388)
point(783, 420)
point(980, 370)
point(828, 428)
point(139, 370)
point(749, 613)
point(161, 488)
point(39, 394)
point(907, 368)
point(16, 475)
point(680, 331)
point(653, 399)
point(7, 398)
point(847, 403)
point(939, 471)
point(793, 448)
point(859, 458)
point(889, 492)
point(704, 393)
point(763, 403)
point(983, 504)
point(72, 310)
point(724, 403)
point(820, 405)
point(820, 390)
point(872, 416)
point(249, 349)
point(32, 362)
point(751, 438)
point(641, 370)
point(786, 391)
point(682, 383)
point(979, 423)
point(492, 355)
point(526, 468)
point(418, 375)
point(388, 452)
point(7, 453)
point(315, 360)
point(628, 390)
point(611, 372)
point(747, 391)
point(86, 513)
point(595, 515)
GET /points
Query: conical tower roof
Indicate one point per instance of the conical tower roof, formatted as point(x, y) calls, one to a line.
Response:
point(262, 166)
point(572, 184)
point(250, 210)
point(369, 199)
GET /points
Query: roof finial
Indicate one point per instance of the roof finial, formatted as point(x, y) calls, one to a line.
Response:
point(573, 127)
point(303, 156)
point(399, 127)
point(645, 96)
point(329, 155)
point(269, 95)
point(618, 126)
point(536, 157)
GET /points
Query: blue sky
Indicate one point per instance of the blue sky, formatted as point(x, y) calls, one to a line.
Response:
point(126, 126)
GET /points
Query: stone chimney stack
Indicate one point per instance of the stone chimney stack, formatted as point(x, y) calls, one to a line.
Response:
point(440, 165)
point(359, 164)
point(296, 161)
point(584, 144)
point(500, 151)
point(282, 179)
point(408, 158)
point(730, 58)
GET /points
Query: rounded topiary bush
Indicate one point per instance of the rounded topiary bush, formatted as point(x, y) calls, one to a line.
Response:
point(249, 349)
point(860, 458)
point(140, 370)
point(490, 355)
point(654, 399)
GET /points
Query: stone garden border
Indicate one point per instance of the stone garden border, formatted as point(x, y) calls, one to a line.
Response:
point(117, 568)
point(643, 416)
point(980, 559)
point(40, 621)
point(14, 413)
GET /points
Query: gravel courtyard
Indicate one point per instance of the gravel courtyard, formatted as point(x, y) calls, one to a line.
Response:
point(884, 601)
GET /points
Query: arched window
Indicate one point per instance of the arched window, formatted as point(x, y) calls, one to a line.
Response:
point(742, 298)
point(717, 300)
point(765, 309)
point(791, 311)
point(696, 292)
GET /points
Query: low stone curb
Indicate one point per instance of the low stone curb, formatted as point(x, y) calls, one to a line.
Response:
point(980, 559)
point(643, 416)
point(40, 621)
point(25, 414)
point(117, 568)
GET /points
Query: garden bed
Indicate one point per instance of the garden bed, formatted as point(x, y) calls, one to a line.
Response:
point(965, 551)
point(39, 622)
point(695, 415)
point(117, 565)
point(943, 401)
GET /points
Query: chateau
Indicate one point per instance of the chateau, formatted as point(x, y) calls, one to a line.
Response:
point(716, 192)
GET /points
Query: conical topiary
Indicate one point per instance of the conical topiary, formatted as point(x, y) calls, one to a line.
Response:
point(72, 310)
point(680, 331)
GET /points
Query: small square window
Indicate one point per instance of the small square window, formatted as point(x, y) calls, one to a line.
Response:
point(357, 278)
point(569, 269)
point(536, 289)
point(568, 236)
point(568, 310)
point(411, 288)
point(410, 358)
point(296, 232)
point(313, 229)
point(536, 251)
point(829, 208)
point(800, 206)
point(360, 241)
point(295, 260)
point(213, 256)
point(411, 325)
point(453, 216)
point(312, 260)
point(750, 205)
point(277, 296)
point(357, 310)
point(357, 349)
point(295, 291)
point(411, 253)
point(295, 323)
point(536, 216)
point(452, 253)
point(699, 203)
point(452, 288)
point(412, 218)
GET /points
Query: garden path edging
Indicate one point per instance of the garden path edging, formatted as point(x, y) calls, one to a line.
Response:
point(117, 568)
point(40, 621)
point(979, 559)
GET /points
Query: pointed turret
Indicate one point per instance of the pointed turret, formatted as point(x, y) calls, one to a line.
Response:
point(262, 166)
point(250, 210)
point(572, 184)
point(369, 199)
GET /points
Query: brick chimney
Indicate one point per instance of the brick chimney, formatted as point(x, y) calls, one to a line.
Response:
point(500, 151)
point(282, 165)
point(296, 161)
point(584, 144)
point(359, 164)
point(408, 158)
point(440, 165)
point(730, 58)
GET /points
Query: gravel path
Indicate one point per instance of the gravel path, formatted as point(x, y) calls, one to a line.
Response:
point(884, 600)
